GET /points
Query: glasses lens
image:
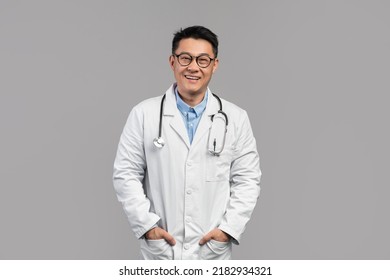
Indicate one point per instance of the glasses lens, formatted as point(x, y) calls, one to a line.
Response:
point(185, 59)
point(203, 61)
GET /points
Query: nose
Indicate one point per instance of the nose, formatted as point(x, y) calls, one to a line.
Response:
point(193, 66)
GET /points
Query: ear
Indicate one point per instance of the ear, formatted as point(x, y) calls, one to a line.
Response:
point(215, 66)
point(172, 61)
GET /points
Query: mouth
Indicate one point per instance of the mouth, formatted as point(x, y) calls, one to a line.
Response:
point(192, 78)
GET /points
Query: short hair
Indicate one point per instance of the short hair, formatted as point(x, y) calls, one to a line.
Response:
point(195, 32)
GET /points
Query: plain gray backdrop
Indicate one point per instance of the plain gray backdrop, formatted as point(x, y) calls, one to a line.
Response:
point(312, 75)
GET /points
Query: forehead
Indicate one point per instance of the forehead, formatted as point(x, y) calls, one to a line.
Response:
point(195, 46)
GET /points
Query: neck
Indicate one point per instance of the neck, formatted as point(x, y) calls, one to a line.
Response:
point(192, 99)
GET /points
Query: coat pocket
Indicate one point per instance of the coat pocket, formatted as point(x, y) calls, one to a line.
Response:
point(157, 249)
point(216, 250)
point(218, 167)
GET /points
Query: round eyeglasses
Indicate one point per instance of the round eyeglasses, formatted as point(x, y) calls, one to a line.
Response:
point(185, 59)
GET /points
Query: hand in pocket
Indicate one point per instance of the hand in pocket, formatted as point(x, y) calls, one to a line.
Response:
point(158, 233)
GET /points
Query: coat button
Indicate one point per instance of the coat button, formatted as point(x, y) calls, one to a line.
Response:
point(188, 219)
point(189, 163)
point(186, 247)
point(189, 191)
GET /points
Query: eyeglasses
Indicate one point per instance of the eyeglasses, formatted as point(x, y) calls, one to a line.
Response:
point(185, 59)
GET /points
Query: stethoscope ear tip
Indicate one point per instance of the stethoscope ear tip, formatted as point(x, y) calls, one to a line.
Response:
point(159, 142)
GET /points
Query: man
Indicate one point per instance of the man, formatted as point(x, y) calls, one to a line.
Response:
point(188, 193)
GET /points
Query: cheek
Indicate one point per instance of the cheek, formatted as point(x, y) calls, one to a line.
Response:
point(208, 74)
point(177, 72)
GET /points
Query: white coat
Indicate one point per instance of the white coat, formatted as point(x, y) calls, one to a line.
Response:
point(182, 187)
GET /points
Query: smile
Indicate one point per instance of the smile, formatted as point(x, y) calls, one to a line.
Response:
point(192, 77)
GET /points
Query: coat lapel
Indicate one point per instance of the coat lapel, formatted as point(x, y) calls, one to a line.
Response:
point(176, 121)
point(212, 107)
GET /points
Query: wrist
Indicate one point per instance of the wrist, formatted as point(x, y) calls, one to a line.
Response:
point(150, 233)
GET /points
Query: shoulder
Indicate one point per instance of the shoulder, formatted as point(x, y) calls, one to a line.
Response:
point(237, 113)
point(148, 108)
point(151, 105)
point(148, 104)
point(231, 106)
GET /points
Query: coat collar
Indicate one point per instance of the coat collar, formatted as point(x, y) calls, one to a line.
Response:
point(170, 109)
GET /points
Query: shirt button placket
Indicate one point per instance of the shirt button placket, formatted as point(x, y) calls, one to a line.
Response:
point(188, 206)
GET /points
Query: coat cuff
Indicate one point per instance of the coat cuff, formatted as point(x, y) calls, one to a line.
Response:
point(153, 223)
point(236, 237)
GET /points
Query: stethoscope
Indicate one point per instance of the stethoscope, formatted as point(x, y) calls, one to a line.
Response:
point(214, 147)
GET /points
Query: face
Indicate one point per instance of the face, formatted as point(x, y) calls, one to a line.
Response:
point(192, 80)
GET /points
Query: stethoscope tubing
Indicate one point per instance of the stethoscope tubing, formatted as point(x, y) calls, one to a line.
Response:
point(161, 115)
point(159, 142)
point(220, 109)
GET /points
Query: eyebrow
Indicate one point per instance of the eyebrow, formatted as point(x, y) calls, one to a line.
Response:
point(196, 55)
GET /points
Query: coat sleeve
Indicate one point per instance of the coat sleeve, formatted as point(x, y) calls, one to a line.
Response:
point(128, 176)
point(244, 182)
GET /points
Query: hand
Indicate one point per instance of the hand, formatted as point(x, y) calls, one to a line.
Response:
point(159, 233)
point(217, 235)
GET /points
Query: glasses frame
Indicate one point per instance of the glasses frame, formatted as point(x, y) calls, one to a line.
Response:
point(192, 59)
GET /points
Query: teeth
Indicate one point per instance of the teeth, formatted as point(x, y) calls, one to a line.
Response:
point(192, 77)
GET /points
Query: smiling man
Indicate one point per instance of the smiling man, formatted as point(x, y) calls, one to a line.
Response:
point(192, 78)
point(187, 169)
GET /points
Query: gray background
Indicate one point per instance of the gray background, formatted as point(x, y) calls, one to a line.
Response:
point(313, 76)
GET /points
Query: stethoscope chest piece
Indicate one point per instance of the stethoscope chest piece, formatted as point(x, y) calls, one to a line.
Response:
point(159, 142)
point(217, 133)
point(215, 142)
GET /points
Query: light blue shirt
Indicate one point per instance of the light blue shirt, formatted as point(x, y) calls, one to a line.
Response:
point(191, 116)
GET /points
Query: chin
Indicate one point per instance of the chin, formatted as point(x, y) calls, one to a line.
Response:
point(193, 91)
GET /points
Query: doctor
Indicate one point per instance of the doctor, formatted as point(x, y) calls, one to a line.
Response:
point(190, 193)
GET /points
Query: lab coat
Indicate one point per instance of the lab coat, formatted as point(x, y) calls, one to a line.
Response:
point(182, 187)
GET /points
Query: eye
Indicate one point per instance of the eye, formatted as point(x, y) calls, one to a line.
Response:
point(203, 60)
point(185, 59)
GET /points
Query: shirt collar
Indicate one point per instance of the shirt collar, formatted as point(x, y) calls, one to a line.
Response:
point(184, 108)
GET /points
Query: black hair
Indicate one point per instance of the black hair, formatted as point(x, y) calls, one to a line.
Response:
point(195, 32)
